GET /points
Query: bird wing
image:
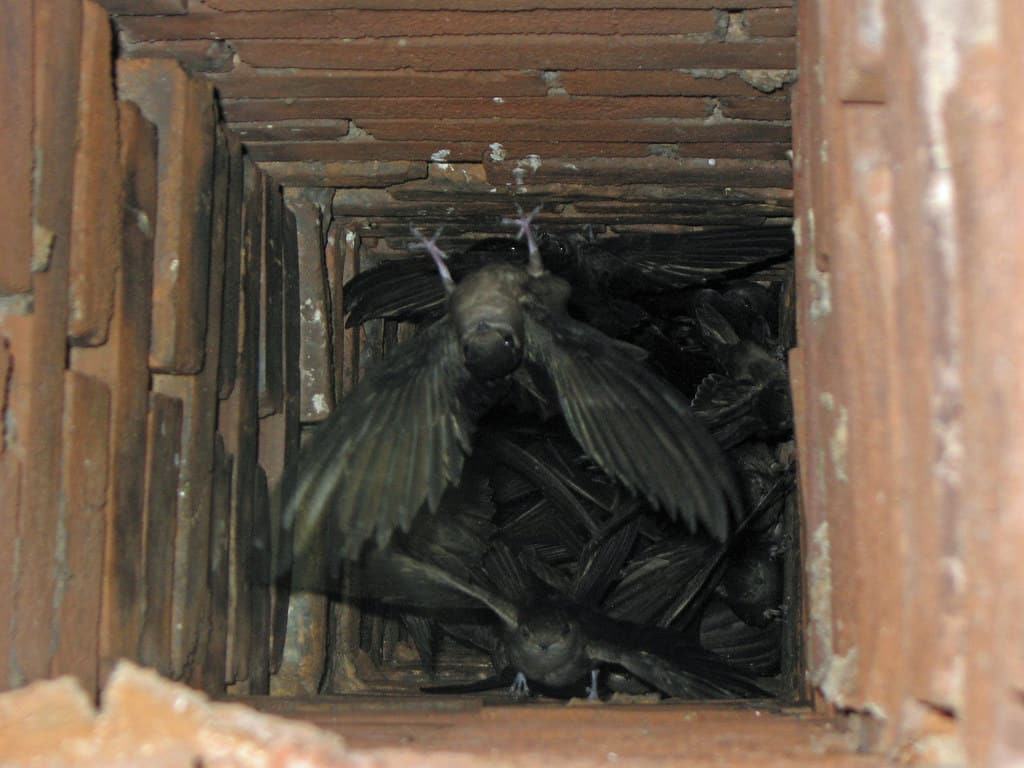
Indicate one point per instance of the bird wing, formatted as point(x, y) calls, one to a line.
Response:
point(634, 425)
point(693, 674)
point(401, 289)
point(396, 441)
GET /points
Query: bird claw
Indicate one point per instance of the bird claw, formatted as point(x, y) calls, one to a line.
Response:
point(525, 222)
point(519, 688)
point(440, 257)
point(592, 693)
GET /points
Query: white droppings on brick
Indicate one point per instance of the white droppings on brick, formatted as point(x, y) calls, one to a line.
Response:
point(497, 153)
point(320, 403)
point(441, 156)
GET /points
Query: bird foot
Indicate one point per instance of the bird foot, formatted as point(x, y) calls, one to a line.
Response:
point(519, 689)
point(440, 257)
point(592, 693)
point(525, 222)
point(780, 547)
point(777, 614)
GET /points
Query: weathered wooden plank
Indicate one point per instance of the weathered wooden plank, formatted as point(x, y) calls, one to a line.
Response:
point(292, 130)
point(10, 485)
point(498, 52)
point(232, 272)
point(182, 109)
point(96, 205)
point(160, 515)
point(81, 529)
point(760, 108)
point(769, 22)
point(38, 342)
point(660, 83)
point(316, 393)
point(16, 62)
point(122, 363)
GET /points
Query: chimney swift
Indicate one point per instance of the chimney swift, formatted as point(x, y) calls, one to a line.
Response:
point(402, 435)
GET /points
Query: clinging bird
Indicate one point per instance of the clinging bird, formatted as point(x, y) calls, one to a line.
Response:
point(402, 435)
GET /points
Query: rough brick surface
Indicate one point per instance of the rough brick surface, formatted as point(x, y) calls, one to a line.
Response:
point(182, 110)
point(514, 52)
point(16, 147)
point(316, 397)
point(143, 7)
point(122, 363)
point(38, 341)
point(770, 22)
point(238, 422)
point(346, 174)
point(459, 152)
point(96, 212)
point(163, 459)
point(357, 23)
point(54, 723)
point(231, 292)
point(243, 81)
point(450, 108)
point(81, 529)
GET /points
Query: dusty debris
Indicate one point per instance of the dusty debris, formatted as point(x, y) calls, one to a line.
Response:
point(145, 716)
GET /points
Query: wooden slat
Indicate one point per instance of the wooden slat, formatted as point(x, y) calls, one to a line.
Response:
point(96, 212)
point(82, 529)
point(132, 7)
point(281, 150)
point(370, 173)
point(213, 670)
point(258, 572)
point(122, 363)
point(487, 5)
point(16, 62)
point(182, 110)
point(163, 450)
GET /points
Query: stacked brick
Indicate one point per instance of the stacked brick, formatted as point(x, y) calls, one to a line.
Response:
point(148, 366)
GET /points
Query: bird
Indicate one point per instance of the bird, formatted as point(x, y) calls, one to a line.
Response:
point(402, 435)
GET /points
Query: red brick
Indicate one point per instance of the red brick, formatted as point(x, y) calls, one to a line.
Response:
point(243, 82)
point(143, 7)
point(10, 487)
point(291, 130)
point(490, 5)
point(447, 108)
point(316, 395)
point(238, 422)
point(213, 670)
point(457, 152)
point(82, 529)
point(497, 52)
point(762, 108)
point(271, 345)
point(182, 110)
point(45, 722)
point(370, 173)
point(122, 363)
point(649, 170)
point(660, 83)
point(355, 23)
point(163, 454)
point(96, 212)
point(259, 572)
point(38, 342)
point(16, 147)
point(653, 131)
point(232, 271)
point(770, 22)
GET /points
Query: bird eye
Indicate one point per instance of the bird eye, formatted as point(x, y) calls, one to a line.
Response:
point(509, 341)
